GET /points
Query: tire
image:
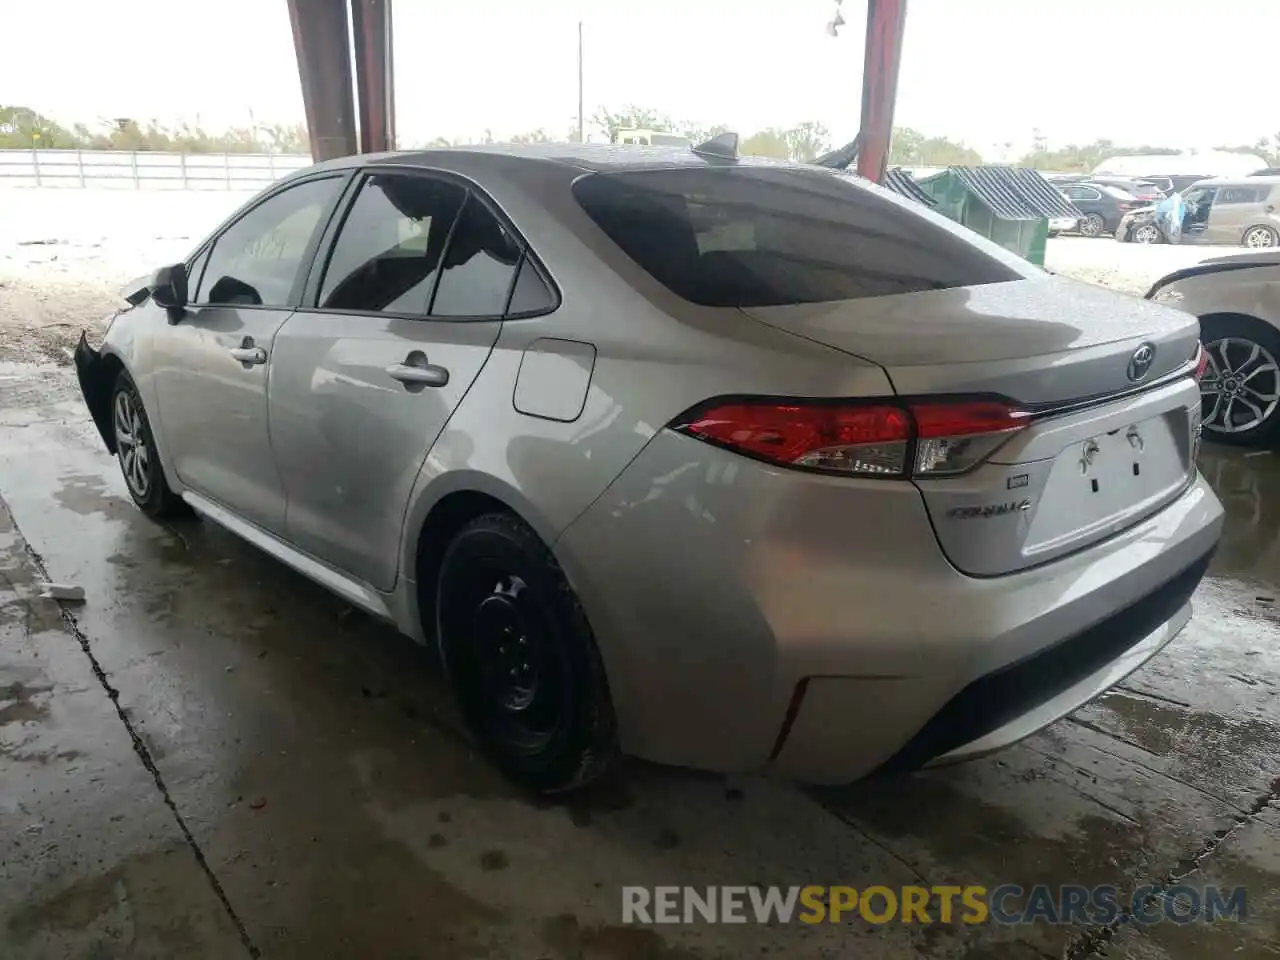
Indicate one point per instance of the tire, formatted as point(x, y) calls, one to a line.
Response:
point(1092, 225)
point(1145, 233)
point(1260, 238)
point(521, 657)
point(1240, 392)
point(137, 454)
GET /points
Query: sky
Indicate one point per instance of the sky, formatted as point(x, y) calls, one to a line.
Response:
point(989, 72)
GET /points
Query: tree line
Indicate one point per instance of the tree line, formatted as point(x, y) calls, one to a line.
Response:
point(24, 128)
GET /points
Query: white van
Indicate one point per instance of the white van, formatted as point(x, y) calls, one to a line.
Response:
point(651, 138)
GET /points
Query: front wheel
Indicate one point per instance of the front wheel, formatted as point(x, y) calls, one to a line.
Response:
point(1145, 233)
point(1240, 389)
point(136, 451)
point(1261, 238)
point(521, 657)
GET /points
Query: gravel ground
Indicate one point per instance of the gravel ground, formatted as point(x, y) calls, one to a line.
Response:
point(65, 253)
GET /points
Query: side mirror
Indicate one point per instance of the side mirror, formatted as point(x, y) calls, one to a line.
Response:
point(169, 287)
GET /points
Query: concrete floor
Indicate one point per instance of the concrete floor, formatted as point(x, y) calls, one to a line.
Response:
point(212, 758)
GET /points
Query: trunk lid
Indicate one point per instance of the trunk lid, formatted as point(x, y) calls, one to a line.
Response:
point(1043, 341)
point(1103, 451)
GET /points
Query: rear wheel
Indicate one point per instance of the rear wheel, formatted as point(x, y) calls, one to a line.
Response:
point(521, 657)
point(1261, 238)
point(1145, 233)
point(137, 454)
point(1240, 389)
point(1092, 225)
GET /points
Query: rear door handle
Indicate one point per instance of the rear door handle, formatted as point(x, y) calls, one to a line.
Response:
point(247, 353)
point(416, 371)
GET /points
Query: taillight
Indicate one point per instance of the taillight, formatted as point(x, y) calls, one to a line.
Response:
point(1202, 361)
point(891, 439)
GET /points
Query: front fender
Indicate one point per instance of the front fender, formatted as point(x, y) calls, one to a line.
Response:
point(97, 375)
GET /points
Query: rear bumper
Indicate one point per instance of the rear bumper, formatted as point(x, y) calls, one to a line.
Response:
point(95, 385)
point(1012, 703)
point(759, 619)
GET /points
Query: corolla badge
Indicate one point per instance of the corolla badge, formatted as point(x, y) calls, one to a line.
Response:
point(1141, 361)
point(988, 510)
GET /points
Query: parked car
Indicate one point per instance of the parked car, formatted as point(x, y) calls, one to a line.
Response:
point(1103, 206)
point(1237, 300)
point(1145, 190)
point(1176, 184)
point(1241, 211)
point(725, 463)
point(1060, 225)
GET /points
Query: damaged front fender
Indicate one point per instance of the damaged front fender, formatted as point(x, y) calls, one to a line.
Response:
point(97, 375)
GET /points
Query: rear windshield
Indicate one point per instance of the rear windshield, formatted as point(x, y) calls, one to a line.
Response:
point(768, 236)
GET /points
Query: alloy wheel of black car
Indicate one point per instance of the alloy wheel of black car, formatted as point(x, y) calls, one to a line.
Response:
point(1092, 225)
point(521, 657)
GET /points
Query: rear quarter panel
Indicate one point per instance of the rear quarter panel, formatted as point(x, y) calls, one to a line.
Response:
point(1250, 293)
point(655, 357)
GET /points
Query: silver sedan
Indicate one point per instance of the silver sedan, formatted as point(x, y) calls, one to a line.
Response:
point(725, 463)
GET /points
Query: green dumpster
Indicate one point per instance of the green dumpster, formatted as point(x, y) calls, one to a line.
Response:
point(1011, 206)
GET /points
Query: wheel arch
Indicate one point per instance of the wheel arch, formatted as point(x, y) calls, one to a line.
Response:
point(1219, 317)
point(98, 382)
point(1266, 225)
point(442, 509)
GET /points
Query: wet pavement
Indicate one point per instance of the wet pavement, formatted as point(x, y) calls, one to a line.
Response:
point(212, 757)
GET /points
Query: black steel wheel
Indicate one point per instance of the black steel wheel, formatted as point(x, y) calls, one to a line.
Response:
point(136, 451)
point(521, 657)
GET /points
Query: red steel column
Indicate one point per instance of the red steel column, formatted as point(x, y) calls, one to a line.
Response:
point(886, 20)
point(375, 82)
point(322, 42)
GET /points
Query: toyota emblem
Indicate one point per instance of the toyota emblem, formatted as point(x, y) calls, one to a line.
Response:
point(1140, 362)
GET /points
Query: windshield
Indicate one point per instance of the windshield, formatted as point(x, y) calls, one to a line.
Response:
point(767, 236)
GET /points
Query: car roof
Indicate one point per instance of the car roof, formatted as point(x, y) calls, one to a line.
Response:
point(1238, 181)
point(595, 157)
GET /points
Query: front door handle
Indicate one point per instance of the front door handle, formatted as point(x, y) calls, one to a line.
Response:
point(416, 371)
point(247, 353)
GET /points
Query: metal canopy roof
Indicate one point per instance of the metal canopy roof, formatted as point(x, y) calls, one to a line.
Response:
point(903, 184)
point(1015, 193)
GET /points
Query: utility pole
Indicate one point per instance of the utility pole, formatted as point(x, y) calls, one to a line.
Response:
point(581, 130)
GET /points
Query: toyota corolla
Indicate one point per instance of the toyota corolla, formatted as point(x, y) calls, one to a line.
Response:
point(725, 463)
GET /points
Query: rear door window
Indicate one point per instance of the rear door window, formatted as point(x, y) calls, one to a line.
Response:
point(757, 236)
point(531, 294)
point(479, 266)
point(389, 248)
point(1243, 194)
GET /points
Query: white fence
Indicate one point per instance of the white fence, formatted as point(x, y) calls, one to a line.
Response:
point(122, 169)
